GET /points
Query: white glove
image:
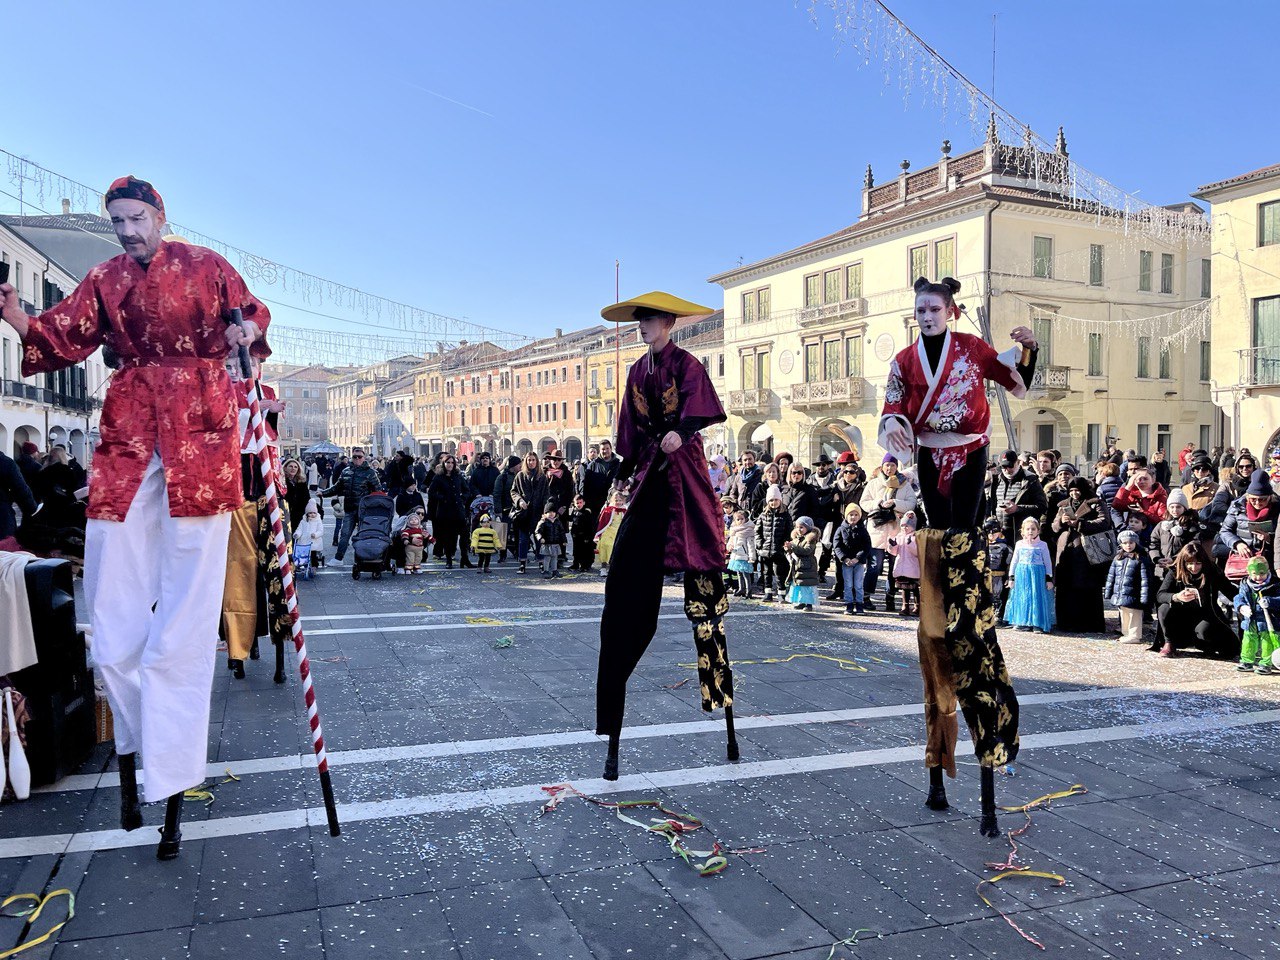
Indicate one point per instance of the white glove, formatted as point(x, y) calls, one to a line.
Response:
point(1264, 603)
point(1246, 612)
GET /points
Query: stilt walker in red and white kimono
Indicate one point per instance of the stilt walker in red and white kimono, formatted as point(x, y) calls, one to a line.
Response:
point(164, 482)
point(936, 412)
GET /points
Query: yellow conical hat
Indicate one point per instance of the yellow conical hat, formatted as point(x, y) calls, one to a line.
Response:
point(624, 312)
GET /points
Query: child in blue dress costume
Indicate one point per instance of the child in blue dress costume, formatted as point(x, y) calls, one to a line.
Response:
point(1031, 597)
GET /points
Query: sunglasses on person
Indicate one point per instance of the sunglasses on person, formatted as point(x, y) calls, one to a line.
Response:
point(357, 456)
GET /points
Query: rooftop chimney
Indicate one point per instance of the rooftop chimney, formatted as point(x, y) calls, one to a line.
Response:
point(66, 206)
point(559, 333)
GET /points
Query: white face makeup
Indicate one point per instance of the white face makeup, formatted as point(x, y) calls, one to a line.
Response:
point(931, 314)
point(139, 227)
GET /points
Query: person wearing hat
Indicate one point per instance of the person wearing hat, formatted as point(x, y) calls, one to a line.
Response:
point(560, 485)
point(1055, 491)
point(1078, 580)
point(1250, 525)
point(165, 481)
point(849, 484)
point(887, 496)
point(1202, 486)
point(1128, 585)
point(29, 463)
point(1175, 531)
point(1015, 496)
point(823, 484)
point(1256, 604)
point(673, 524)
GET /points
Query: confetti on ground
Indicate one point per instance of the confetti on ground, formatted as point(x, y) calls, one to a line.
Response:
point(844, 662)
point(502, 643)
point(672, 827)
point(852, 940)
point(1011, 868)
point(418, 591)
point(424, 606)
point(32, 914)
point(336, 659)
point(675, 686)
point(485, 621)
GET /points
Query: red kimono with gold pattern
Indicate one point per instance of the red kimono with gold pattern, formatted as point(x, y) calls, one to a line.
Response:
point(171, 393)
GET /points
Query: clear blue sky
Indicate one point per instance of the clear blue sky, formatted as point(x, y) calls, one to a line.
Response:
point(675, 135)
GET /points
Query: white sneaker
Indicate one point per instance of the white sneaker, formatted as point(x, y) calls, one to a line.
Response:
point(1133, 640)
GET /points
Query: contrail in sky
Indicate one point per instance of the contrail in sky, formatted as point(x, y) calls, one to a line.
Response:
point(459, 103)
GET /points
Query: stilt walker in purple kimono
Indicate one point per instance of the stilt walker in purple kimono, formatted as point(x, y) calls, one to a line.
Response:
point(935, 411)
point(673, 524)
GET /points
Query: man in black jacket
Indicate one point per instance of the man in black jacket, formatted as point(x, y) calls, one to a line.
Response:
point(13, 490)
point(599, 477)
point(353, 483)
point(1015, 496)
point(483, 475)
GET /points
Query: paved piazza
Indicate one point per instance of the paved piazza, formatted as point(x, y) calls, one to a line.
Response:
point(450, 700)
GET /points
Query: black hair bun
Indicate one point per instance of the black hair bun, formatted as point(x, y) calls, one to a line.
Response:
point(952, 284)
point(921, 284)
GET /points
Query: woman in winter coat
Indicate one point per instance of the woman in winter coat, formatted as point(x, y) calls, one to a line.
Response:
point(447, 509)
point(799, 498)
point(297, 491)
point(528, 500)
point(1107, 481)
point(1141, 494)
point(771, 476)
point(887, 496)
point(1244, 530)
point(1077, 582)
point(1187, 606)
point(1180, 527)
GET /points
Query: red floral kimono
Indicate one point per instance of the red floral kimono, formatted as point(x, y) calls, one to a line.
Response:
point(946, 411)
point(171, 393)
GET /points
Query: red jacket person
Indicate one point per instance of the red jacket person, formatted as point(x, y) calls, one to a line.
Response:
point(165, 478)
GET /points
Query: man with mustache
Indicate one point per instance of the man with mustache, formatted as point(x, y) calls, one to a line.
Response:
point(166, 478)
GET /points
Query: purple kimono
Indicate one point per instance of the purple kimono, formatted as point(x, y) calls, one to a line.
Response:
point(673, 392)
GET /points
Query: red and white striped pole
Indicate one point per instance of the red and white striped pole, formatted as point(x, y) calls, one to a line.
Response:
point(286, 573)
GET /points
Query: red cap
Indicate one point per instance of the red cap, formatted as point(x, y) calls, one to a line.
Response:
point(131, 188)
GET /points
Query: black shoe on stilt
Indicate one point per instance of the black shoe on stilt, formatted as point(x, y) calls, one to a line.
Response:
point(279, 676)
point(130, 809)
point(237, 668)
point(989, 827)
point(254, 652)
point(611, 760)
point(171, 835)
point(732, 748)
point(937, 799)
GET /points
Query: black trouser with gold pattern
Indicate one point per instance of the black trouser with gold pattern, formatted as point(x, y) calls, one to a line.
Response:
point(960, 658)
point(632, 598)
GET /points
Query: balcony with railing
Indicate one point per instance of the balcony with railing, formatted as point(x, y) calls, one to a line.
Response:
point(843, 392)
point(593, 393)
point(1259, 367)
point(833, 312)
point(1050, 381)
point(18, 390)
point(751, 403)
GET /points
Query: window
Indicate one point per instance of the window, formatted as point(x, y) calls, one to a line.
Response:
point(749, 371)
point(812, 371)
point(755, 305)
point(539, 378)
point(1095, 354)
point(812, 291)
point(1144, 440)
point(608, 414)
point(1042, 258)
point(944, 257)
point(764, 305)
point(1205, 357)
point(577, 373)
point(1164, 437)
point(853, 356)
point(1144, 270)
point(831, 360)
point(853, 281)
point(764, 366)
point(608, 378)
point(1093, 441)
point(831, 286)
point(595, 414)
point(1042, 327)
point(1166, 273)
point(1144, 356)
point(594, 384)
point(1044, 436)
point(529, 414)
point(564, 375)
point(919, 265)
point(1204, 437)
point(1095, 264)
point(720, 365)
point(464, 416)
point(553, 375)
point(1206, 279)
point(1268, 224)
point(1266, 340)
point(1166, 362)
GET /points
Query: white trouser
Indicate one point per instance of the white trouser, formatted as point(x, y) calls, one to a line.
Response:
point(158, 666)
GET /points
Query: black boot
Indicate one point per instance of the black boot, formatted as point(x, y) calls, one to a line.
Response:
point(279, 677)
point(237, 668)
point(254, 653)
point(890, 604)
point(130, 810)
point(989, 827)
point(611, 761)
point(171, 835)
point(937, 792)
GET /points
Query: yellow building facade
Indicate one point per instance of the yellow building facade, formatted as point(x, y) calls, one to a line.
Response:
point(1246, 313)
point(809, 334)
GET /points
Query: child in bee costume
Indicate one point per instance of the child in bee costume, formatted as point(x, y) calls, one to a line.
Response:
point(1257, 605)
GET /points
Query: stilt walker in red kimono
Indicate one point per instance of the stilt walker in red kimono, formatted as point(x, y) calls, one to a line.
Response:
point(673, 523)
point(935, 411)
point(164, 482)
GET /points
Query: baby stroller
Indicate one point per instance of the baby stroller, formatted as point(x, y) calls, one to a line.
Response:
point(372, 543)
point(302, 561)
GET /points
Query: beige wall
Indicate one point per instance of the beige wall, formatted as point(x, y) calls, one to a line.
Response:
point(1242, 273)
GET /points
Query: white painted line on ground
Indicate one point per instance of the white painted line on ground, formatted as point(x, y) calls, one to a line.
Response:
point(462, 748)
point(480, 611)
point(508, 624)
point(532, 793)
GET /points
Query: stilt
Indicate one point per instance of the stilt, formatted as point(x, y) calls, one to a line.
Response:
point(937, 792)
point(733, 737)
point(130, 810)
point(611, 761)
point(237, 668)
point(171, 835)
point(254, 652)
point(279, 677)
point(989, 827)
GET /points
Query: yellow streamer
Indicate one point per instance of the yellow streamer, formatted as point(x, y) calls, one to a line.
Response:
point(425, 606)
point(486, 621)
point(844, 663)
point(32, 914)
point(1075, 790)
